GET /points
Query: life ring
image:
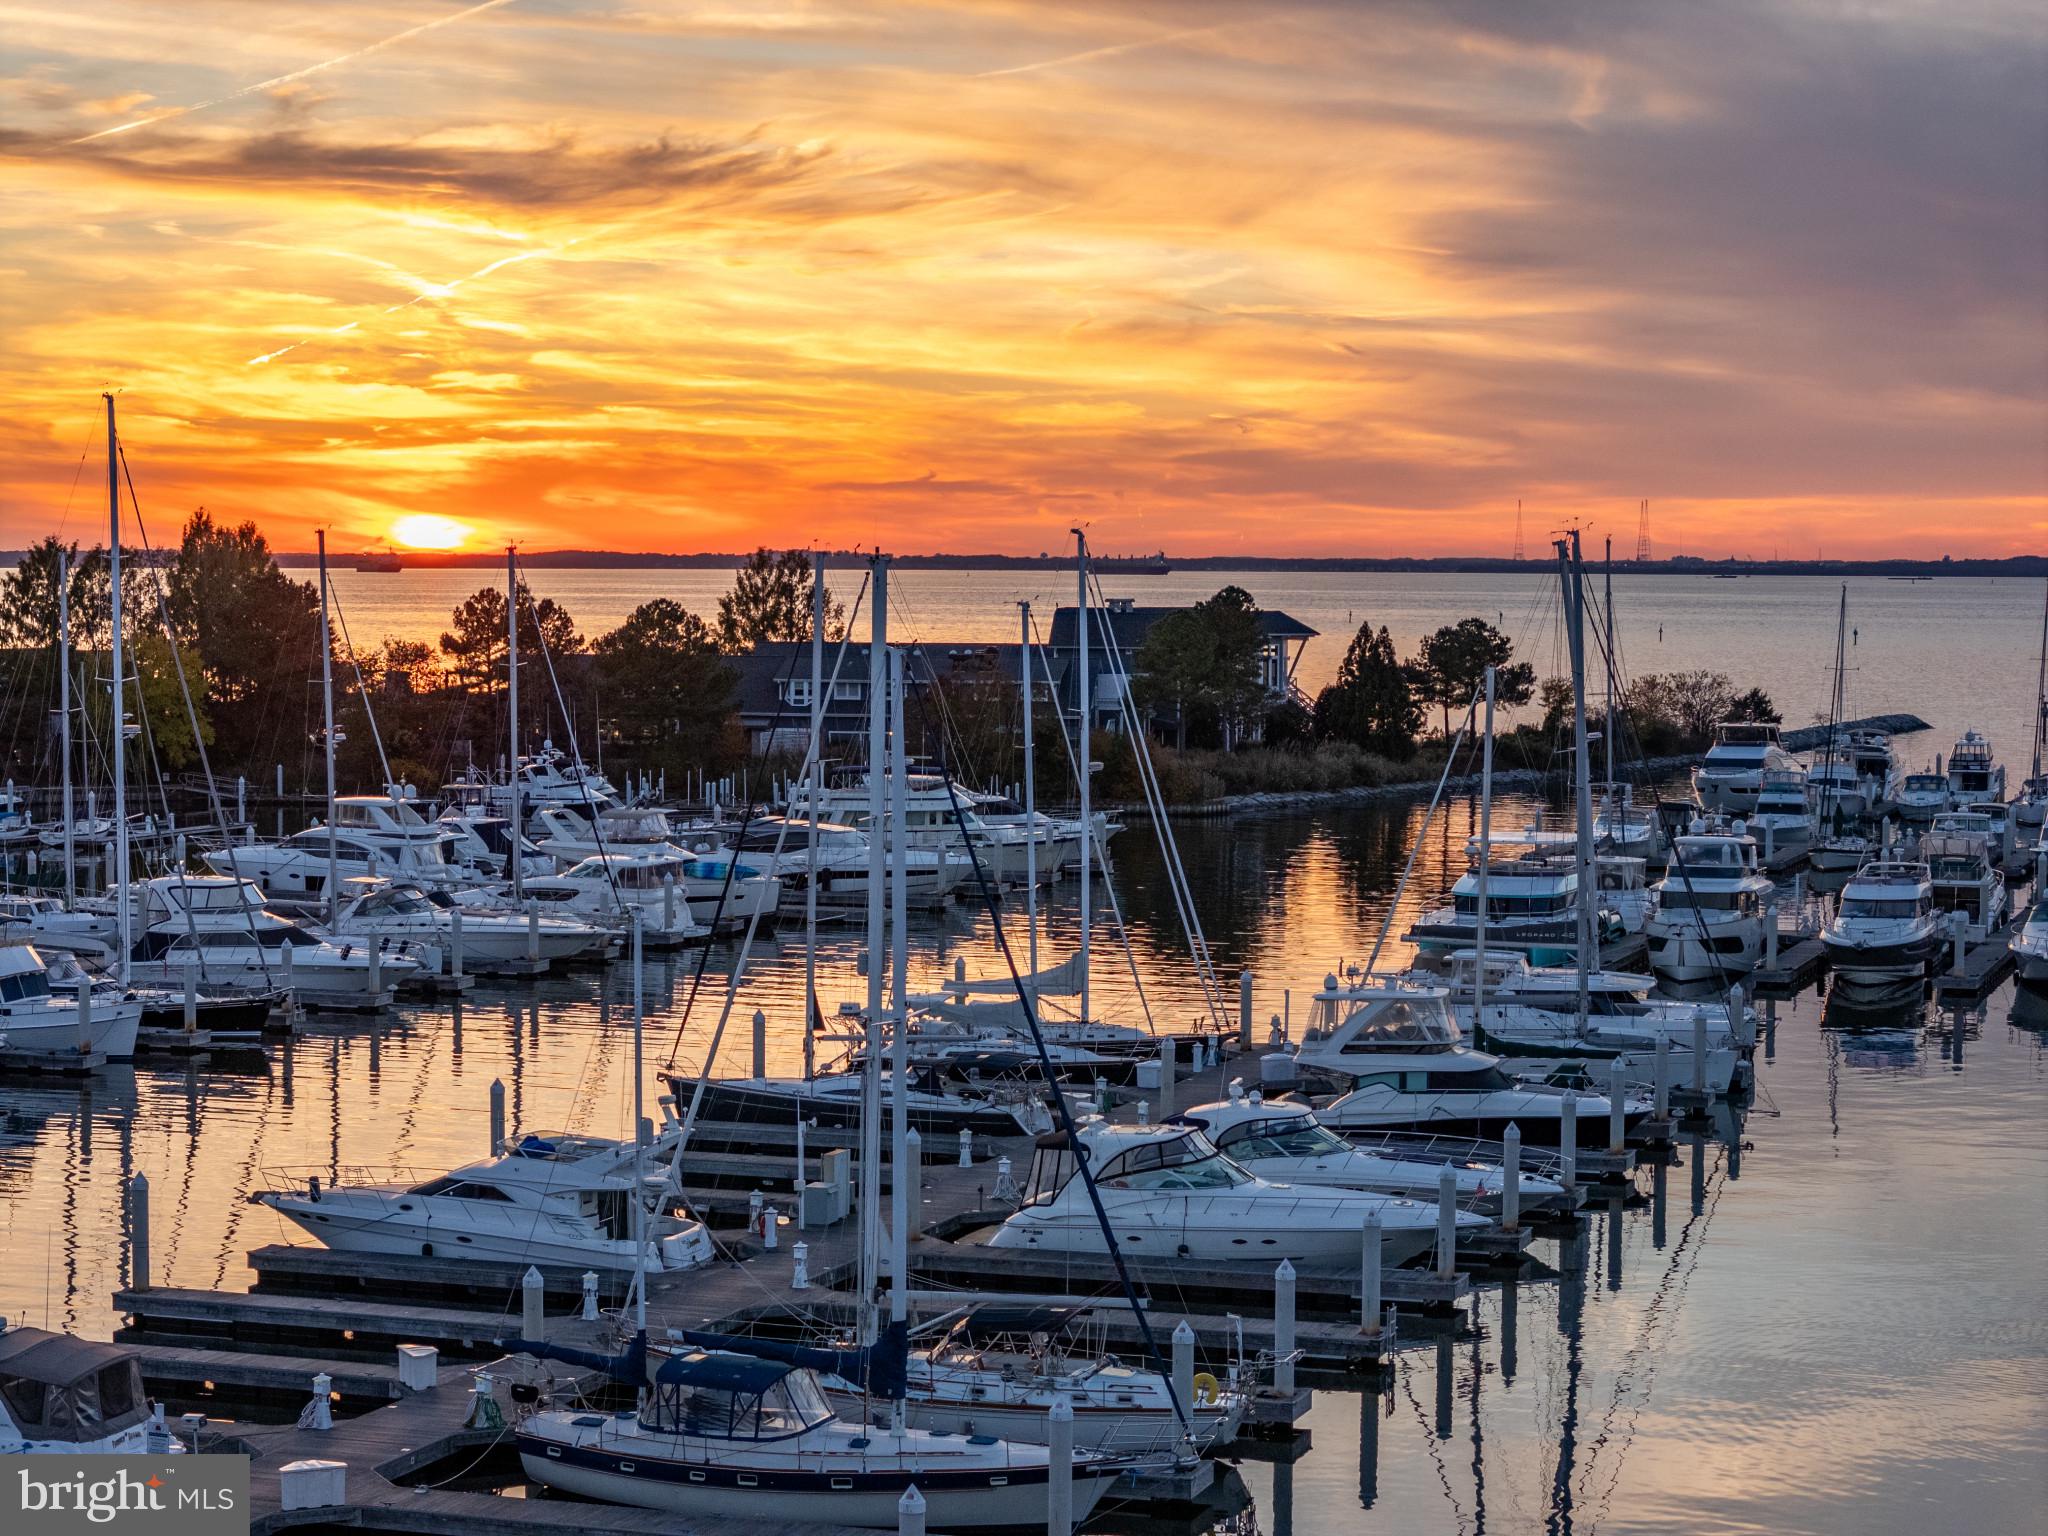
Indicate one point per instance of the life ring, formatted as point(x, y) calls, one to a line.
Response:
point(1207, 1388)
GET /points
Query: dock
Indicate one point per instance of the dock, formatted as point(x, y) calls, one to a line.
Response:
point(1983, 965)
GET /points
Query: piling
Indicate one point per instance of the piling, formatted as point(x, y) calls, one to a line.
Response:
point(590, 1295)
point(1568, 1141)
point(910, 1513)
point(1184, 1363)
point(532, 1304)
point(497, 1116)
point(1283, 1327)
point(1511, 1179)
point(241, 798)
point(912, 1174)
point(1446, 1222)
point(532, 930)
point(1771, 932)
point(1059, 1481)
point(1663, 1089)
point(191, 998)
point(1244, 1010)
point(290, 987)
point(771, 1228)
point(966, 1146)
point(85, 1014)
point(760, 1043)
point(1370, 1258)
point(1169, 1066)
point(323, 1402)
point(455, 944)
point(1617, 1099)
point(138, 1233)
point(1958, 924)
point(375, 947)
point(1699, 1051)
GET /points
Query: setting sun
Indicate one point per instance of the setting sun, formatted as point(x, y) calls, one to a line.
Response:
point(428, 530)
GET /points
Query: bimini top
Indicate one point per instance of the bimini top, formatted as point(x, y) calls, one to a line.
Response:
point(719, 1372)
point(1382, 1015)
point(725, 1396)
point(56, 1387)
point(991, 1324)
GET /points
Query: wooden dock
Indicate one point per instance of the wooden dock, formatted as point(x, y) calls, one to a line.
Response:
point(1984, 965)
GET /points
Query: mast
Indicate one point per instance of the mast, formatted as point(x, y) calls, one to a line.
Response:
point(64, 710)
point(1575, 629)
point(640, 1134)
point(1082, 762)
point(1030, 795)
point(1827, 792)
point(1485, 858)
point(902, 1180)
point(120, 693)
point(1608, 600)
point(2041, 700)
point(817, 789)
point(878, 873)
point(513, 858)
point(327, 712)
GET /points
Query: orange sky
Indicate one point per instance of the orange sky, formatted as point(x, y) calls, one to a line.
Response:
point(1329, 278)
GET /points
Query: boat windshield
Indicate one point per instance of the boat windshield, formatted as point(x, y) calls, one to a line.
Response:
point(1295, 1136)
point(1384, 1023)
point(1184, 1162)
point(1876, 906)
point(793, 1404)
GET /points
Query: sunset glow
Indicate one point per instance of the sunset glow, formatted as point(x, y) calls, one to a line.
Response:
point(964, 273)
point(427, 530)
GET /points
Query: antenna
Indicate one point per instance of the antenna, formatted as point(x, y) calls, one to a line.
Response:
point(1518, 528)
point(1643, 532)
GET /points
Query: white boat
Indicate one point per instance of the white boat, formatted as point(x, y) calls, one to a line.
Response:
point(834, 1098)
point(1877, 768)
point(1708, 923)
point(483, 838)
point(568, 836)
point(548, 1198)
point(1282, 1140)
point(422, 924)
point(1965, 874)
point(1733, 772)
point(372, 835)
point(1623, 827)
point(1399, 1060)
point(730, 1435)
point(1168, 1193)
point(35, 1018)
point(933, 817)
point(1782, 822)
point(997, 1369)
point(66, 1396)
point(1532, 899)
point(780, 847)
point(1972, 773)
point(612, 887)
point(1924, 796)
point(549, 777)
point(2030, 942)
point(1884, 926)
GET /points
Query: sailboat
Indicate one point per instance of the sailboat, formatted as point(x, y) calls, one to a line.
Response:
point(1838, 789)
point(2030, 807)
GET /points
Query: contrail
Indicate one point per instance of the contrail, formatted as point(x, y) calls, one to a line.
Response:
point(300, 74)
point(434, 291)
point(1110, 52)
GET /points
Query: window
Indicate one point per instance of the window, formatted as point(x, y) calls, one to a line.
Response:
point(797, 690)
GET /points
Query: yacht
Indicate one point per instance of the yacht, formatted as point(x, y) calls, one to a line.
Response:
point(997, 1369)
point(1782, 822)
point(1621, 826)
point(1283, 1141)
point(1398, 1059)
point(1743, 753)
point(1972, 775)
point(934, 816)
point(2030, 809)
point(35, 1018)
point(720, 1434)
point(612, 887)
point(1924, 796)
point(422, 923)
point(833, 1099)
point(1059, 841)
point(1840, 795)
point(1996, 820)
point(568, 836)
point(65, 1396)
point(1532, 899)
point(1964, 873)
point(549, 777)
point(2030, 942)
point(1884, 926)
point(780, 847)
point(1709, 919)
point(1167, 1192)
point(372, 835)
point(1877, 769)
point(482, 838)
point(547, 1198)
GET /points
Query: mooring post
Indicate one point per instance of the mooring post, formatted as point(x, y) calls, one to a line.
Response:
point(910, 1513)
point(771, 1228)
point(1370, 1258)
point(323, 1402)
point(1446, 1222)
point(800, 1270)
point(590, 1295)
point(85, 1014)
point(1740, 1024)
point(1169, 1064)
point(532, 1304)
point(1957, 925)
point(241, 798)
point(1511, 1179)
point(1283, 1327)
point(1663, 1076)
point(532, 930)
point(497, 1115)
point(375, 948)
point(1184, 1364)
point(1771, 931)
point(138, 1233)
point(1244, 1010)
point(966, 1146)
point(191, 994)
point(1059, 1482)
point(290, 984)
point(1144, 1112)
point(760, 1043)
point(1568, 1140)
point(455, 943)
point(1699, 1051)
point(1617, 1106)
point(913, 1196)
point(1101, 1095)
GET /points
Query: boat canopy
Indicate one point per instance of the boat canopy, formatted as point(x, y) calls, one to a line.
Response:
point(57, 1387)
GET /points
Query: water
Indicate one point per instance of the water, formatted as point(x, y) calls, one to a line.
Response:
point(1834, 1324)
point(1979, 636)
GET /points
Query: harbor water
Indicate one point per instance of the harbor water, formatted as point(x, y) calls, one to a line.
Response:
point(1827, 1316)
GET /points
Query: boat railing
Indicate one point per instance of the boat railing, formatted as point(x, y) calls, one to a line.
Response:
point(1428, 1147)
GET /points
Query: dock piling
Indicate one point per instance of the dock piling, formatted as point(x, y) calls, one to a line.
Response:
point(910, 1513)
point(138, 1233)
point(1511, 1179)
point(1699, 1051)
point(1169, 1067)
point(590, 1295)
point(1771, 931)
point(668, 903)
point(455, 943)
point(191, 995)
point(1283, 1327)
point(1617, 1102)
point(1059, 1481)
point(1663, 1089)
point(1184, 1363)
point(497, 1116)
point(800, 1271)
point(532, 1304)
point(1958, 925)
point(1370, 1258)
point(966, 1146)
point(1244, 1010)
point(1568, 1141)
point(1446, 1222)
point(532, 930)
point(85, 1014)
point(375, 948)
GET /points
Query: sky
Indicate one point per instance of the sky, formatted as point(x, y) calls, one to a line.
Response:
point(1322, 278)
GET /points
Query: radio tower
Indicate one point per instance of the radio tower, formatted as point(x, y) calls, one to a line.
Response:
point(1518, 528)
point(1643, 533)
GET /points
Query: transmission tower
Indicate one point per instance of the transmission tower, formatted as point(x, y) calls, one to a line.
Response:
point(1643, 532)
point(1518, 528)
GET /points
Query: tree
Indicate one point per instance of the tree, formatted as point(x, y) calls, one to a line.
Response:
point(476, 645)
point(1755, 705)
point(667, 687)
point(1201, 665)
point(1452, 666)
point(1172, 669)
point(1555, 699)
point(1371, 704)
point(30, 613)
point(1691, 703)
point(771, 599)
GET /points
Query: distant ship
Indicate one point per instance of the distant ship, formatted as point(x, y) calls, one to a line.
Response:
point(1132, 565)
point(384, 561)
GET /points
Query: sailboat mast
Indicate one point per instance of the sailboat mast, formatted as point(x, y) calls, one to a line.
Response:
point(64, 711)
point(327, 714)
point(1485, 858)
point(1575, 603)
point(1082, 762)
point(640, 1133)
point(878, 874)
point(1827, 789)
point(1608, 601)
point(2041, 699)
point(120, 694)
point(902, 1180)
point(817, 789)
point(513, 858)
point(1030, 794)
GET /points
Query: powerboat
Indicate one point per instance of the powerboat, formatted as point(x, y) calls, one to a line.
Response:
point(1168, 1192)
point(1283, 1141)
point(2030, 944)
point(1744, 751)
point(720, 1434)
point(1532, 899)
point(566, 835)
point(65, 1396)
point(33, 1017)
point(780, 847)
point(1884, 927)
point(421, 924)
point(1399, 1060)
point(1964, 875)
point(1709, 919)
point(1877, 769)
point(547, 1198)
point(1995, 819)
point(833, 1099)
point(1621, 826)
point(1972, 775)
point(935, 817)
point(1782, 822)
point(1924, 796)
point(372, 835)
point(483, 839)
point(997, 1369)
point(610, 888)
point(549, 777)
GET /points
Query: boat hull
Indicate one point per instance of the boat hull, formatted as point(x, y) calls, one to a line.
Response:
point(1683, 953)
point(1166, 1239)
point(376, 1230)
point(1882, 962)
point(1098, 1428)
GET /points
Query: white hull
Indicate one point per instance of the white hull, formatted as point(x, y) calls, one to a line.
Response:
point(1123, 1431)
point(1154, 1229)
point(110, 1033)
point(1678, 951)
point(343, 1223)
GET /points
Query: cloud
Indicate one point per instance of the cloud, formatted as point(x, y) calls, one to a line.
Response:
point(928, 484)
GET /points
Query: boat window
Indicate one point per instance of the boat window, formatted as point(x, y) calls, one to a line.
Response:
point(1872, 906)
point(795, 1403)
point(23, 1397)
point(117, 1389)
point(1478, 1080)
point(1184, 1162)
point(1292, 1137)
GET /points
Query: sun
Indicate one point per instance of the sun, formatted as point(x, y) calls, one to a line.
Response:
point(429, 530)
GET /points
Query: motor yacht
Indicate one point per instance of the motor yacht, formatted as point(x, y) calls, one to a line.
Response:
point(1996, 820)
point(1398, 1059)
point(2030, 808)
point(934, 816)
point(611, 888)
point(1972, 774)
point(549, 777)
point(1884, 926)
point(65, 1396)
point(833, 1099)
point(1168, 1193)
point(1782, 822)
point(1058, 841)
point(1924, 796)
point(1532, 899)
point(421, 924)
point(1877, 769)
point(1964, 874)
point(1282, 1140)
point(1839, 795)
point(566, 835)
point(1709, 919)
point(997, 1369)
point(547, 1198)
point(725, 1435)
point(2030, 942)
point(1744, 751)
point(482, 838)
point(34, 1017)
point(1623, 827)
point(372, 835)
point(781, 847)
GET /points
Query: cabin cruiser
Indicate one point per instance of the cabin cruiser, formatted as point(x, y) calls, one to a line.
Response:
point(1924, 796)
point(371, 835)
point(33, 1017)
point(2030, 942)
point(833, 1099)
point(1167, 1192)
point(1972, 775)
point(548, 777)
point(1964, 873)
point(1283, 1141)
point(1058, 842)
point(2030, 808)
point(547, 1198)
point(934, 816)
point(67, 1396)
point(1709, 918)
point(1743, 752)
point(1840, 796)
point(482, 838)
point(1884, 926)
point(422, 924)
point(1782, 822)
point(612, 888)
point(1870, 753)
point(722, 1435)
point(780, 848)
point(1398, 1060)
point(997, 1369)
point(1532, 898)
point(566, 835)
point(1623, 827)
point(1994, 818)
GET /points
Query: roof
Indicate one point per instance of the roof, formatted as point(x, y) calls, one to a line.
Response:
point(1130, 624)
point(720, 1372)
point(993, 1322)
point(56, 1359)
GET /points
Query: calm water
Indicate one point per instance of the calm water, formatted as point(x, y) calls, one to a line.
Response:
point(1833, 1324)
point(1957, 652)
